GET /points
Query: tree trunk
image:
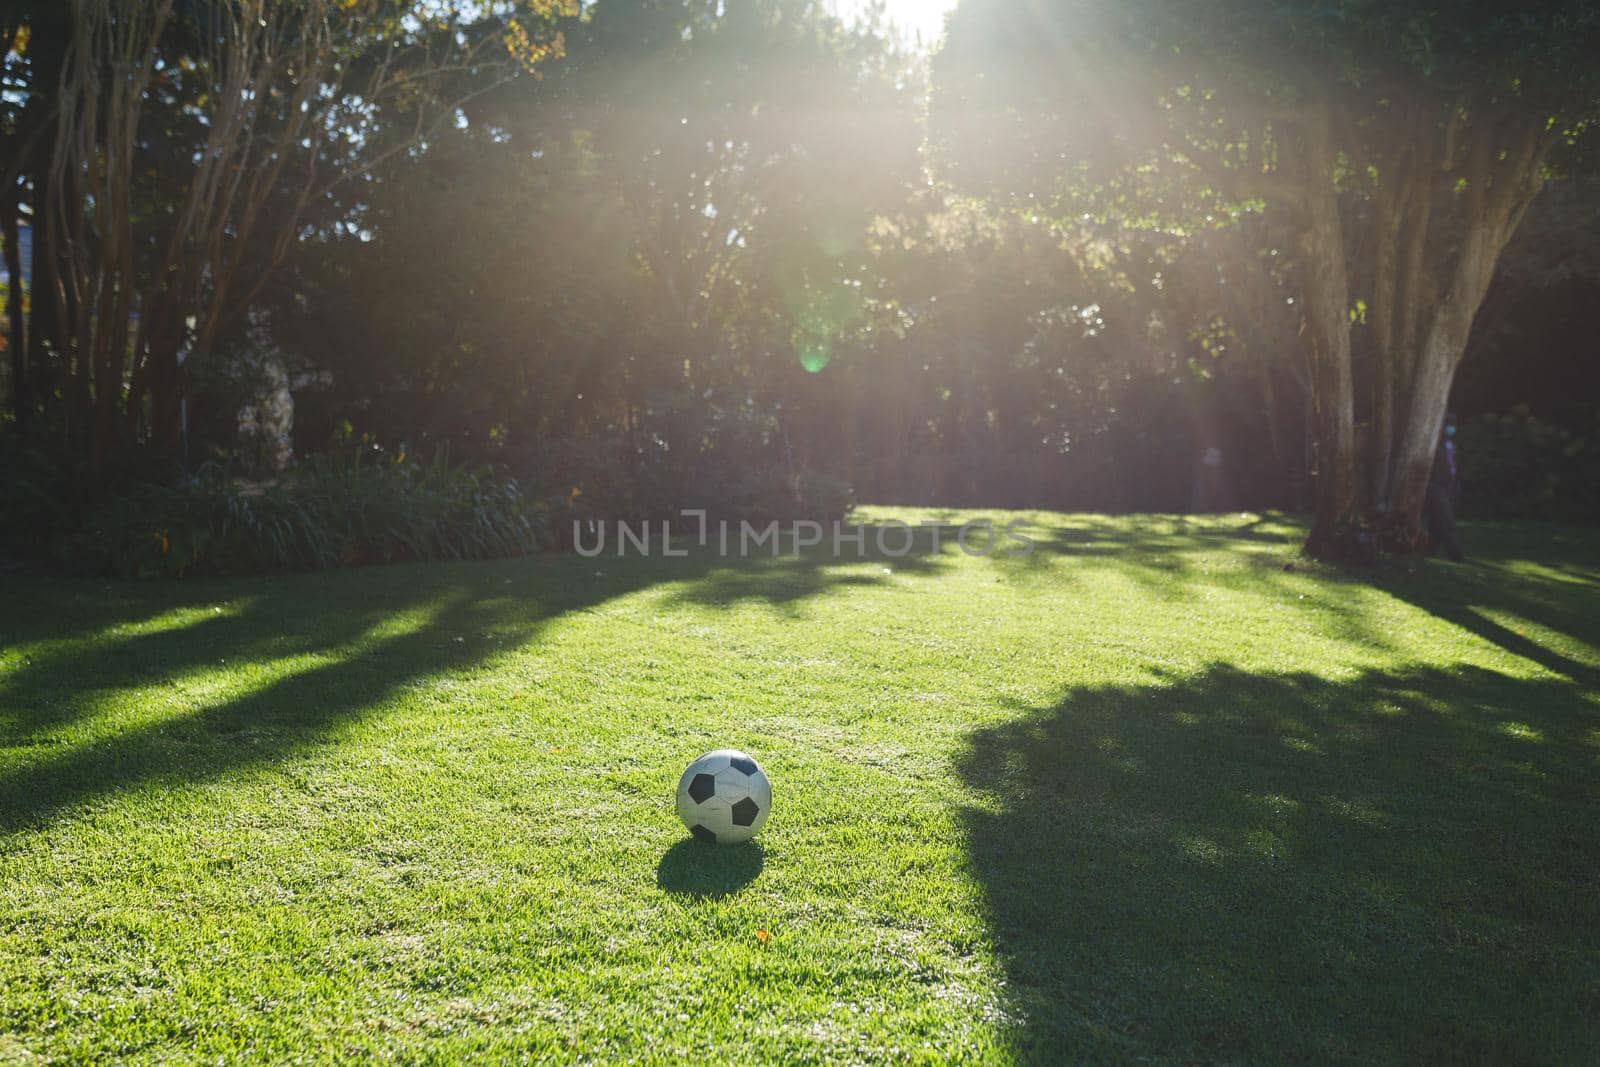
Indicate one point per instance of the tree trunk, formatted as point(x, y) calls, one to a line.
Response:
point(1500, 186)
point(1336, 506)
point(1390, 205)
point(21, 402)
point(1430, 385)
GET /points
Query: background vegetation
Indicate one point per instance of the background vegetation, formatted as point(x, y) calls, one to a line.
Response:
point(632, 256)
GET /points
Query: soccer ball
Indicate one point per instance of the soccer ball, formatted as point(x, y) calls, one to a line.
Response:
point(724, 797)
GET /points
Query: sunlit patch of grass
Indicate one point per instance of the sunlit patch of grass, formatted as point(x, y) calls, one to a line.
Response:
point(1160, 791)
point(1521, 731)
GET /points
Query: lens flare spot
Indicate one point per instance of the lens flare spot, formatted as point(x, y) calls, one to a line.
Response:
point(814, 355)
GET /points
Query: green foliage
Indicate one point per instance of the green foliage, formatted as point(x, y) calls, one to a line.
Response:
point(727, 463)
point(728, 456)
point(338, 510)
point(35, 496)
point(677, 206)
point(1521, 466)
point(698, 262)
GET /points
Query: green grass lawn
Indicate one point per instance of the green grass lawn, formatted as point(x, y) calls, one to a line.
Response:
point(1144, 795)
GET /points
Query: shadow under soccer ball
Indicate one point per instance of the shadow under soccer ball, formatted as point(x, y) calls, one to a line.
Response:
point(703, 870)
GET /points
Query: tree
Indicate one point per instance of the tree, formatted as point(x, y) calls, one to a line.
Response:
point(630, 255)
point(748, 146)
point(33, 36)
point(186, 144)
point(1403, 141)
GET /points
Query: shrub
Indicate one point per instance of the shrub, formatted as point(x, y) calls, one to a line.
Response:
point(34, 497)
point(1520, 466)
point(335, 510)
point(606, 491)
point(686, 452)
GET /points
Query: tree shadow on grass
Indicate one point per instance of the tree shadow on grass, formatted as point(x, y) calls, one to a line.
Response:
point(334, 649)
point(294, 712)
point(1535, 580)
point(697, 869)
point(1530, 591)
point(785, 581)
point(1398, 867)
point(1178, 559)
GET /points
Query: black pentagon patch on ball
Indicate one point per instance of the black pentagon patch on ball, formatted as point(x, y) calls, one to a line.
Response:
point(702, 787)
point(748, 766)
point(745, 812)
point(708, 836)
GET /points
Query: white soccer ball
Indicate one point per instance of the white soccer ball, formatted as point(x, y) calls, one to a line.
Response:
point(724, 797)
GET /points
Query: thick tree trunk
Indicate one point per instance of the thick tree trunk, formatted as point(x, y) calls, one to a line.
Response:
point(1391, 204)
point(1336, 505)
point(1500, 186)
point(1430, 385)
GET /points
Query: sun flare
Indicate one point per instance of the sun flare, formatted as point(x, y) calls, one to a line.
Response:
point(917, 19)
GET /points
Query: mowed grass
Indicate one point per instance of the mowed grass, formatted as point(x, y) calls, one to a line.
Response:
point(1146, 794)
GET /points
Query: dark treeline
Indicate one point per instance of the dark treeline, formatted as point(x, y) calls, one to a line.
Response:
point(652, 255)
